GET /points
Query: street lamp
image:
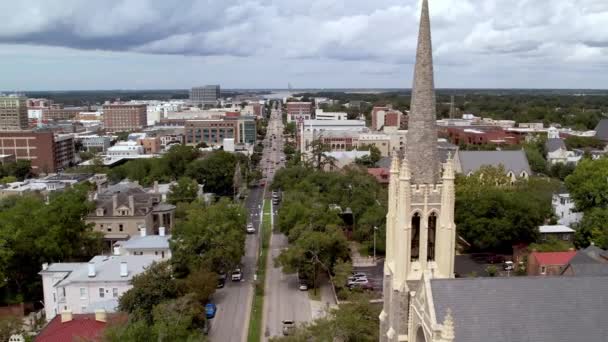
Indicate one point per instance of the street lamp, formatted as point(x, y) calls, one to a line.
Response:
point(375, 229)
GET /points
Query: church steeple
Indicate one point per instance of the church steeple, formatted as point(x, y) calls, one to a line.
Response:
point(421, 149)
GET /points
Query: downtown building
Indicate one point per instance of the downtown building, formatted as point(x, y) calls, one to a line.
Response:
point(207, 95)
point(213, 131)
point(47, 151)
point(124, 117)
point(13, 113)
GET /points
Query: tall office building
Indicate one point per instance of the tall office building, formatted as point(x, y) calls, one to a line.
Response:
point(207, 95)
point(124, 117)
point(13, 113)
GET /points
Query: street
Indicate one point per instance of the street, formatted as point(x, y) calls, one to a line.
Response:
point(234, 300)
point(284, 301)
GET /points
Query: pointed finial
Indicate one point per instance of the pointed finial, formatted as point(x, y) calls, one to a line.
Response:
point(394, 163)
point(447, 333)
point(405, 169)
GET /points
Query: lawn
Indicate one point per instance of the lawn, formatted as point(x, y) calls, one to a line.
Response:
point(255, 322)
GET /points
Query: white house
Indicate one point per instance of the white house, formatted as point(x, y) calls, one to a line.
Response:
point(156, 246)
point(557, 152)
point(563, 207)
point(84, 287)
point(322, 115)
point(125, 149)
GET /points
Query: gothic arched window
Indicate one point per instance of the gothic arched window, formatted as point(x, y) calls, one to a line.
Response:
point(415, 243)
point(432, 230)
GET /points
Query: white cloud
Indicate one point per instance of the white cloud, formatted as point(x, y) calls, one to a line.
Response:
point(377, 36)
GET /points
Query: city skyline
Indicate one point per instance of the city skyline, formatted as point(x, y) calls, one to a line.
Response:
point(323, 44)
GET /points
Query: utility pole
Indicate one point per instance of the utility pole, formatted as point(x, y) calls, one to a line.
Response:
point(375, 229)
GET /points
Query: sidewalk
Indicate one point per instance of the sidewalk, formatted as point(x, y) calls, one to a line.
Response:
point(358, 259)
point(319, 308)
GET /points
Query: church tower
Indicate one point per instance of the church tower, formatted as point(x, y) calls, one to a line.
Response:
point(420, 237)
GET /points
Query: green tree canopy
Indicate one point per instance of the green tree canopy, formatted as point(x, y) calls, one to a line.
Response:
point(185, 190)
point(215, 171)
point(593, 228)
point(588, 184)
point(214, 236)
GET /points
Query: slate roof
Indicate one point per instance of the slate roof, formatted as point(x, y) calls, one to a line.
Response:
point(588, 262)
point(107, 268)
point(515, 161)
point(147, 242)
point(524, 309)
point(601, 130)
point(554, 144)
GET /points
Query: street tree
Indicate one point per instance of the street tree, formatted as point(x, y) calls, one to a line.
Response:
point(588, 184)
point(185, 190)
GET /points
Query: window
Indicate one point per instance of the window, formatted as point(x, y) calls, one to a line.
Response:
point(120, 227)
point(415, 242)
point(83, 309)
point(543, 269)
point(101, 292)
point(115, 292)
point(83, 293)
point(565, 237)
point(54, 297)
point(432, 228)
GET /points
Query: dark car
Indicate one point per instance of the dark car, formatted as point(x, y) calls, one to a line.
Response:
point(495, 259)
point(210, 310)
point(221, 280)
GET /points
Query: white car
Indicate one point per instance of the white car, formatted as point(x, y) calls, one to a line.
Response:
point(508, 266)
point(356, 282)
point(250, 229)
point(236, 275)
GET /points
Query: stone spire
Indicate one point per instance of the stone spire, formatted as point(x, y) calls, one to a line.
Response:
point(421, 149)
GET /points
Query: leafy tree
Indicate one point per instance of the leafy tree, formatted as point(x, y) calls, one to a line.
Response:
point(551, 245)
point(320, 158)
point(214, 236)
point(356, 321)
point(10, 325)
point(20, 169)
point(538, 164)
point(593, 228)
point(34, 232)
point(342, 271)
point(150, 288)
point(215, 171)
point(201, 284)
point(588, 184)
point(493, 216)
point(122, 136)
point(180, 319)
point(8, 179)
point(370, 160)
point(561, 171)
point(185, 190)
point(574, 141)
point(290, 129)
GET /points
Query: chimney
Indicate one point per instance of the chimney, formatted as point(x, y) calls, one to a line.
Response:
point(142, 231)
point(100, 315)
point(124, 271)
point(132, 204)
point(66, 316)
point(91, 269)
point(45, 266)
point(161, 231)
point(116, 250)
point(155, 187)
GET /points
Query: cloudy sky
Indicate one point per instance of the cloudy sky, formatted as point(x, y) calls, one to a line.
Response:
point(151, 44)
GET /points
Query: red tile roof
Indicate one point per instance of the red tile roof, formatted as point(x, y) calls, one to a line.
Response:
point(82, 326)
point(382, 175)
point(553, 258)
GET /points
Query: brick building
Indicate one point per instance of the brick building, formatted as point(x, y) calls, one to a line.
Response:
point(482, 135)
point(213, 132)
point(151, 145)
point(59, 112)
point(386, 117)
point(297, 110)
point(47, 152)
point(124, 117)
point(13, 113)
point(548, 263)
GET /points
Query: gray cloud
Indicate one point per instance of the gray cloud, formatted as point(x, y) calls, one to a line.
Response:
point(375, 37)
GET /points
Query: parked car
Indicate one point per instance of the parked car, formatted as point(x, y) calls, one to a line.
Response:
point(288, 327)
point(210, 310)
point(495, 259)
point(364, 286)
point(236, 275)
point(303, 286)
point(357, 281)
point(250, 229)
point(508, 266)
point(221, 280)
point(359, 275)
